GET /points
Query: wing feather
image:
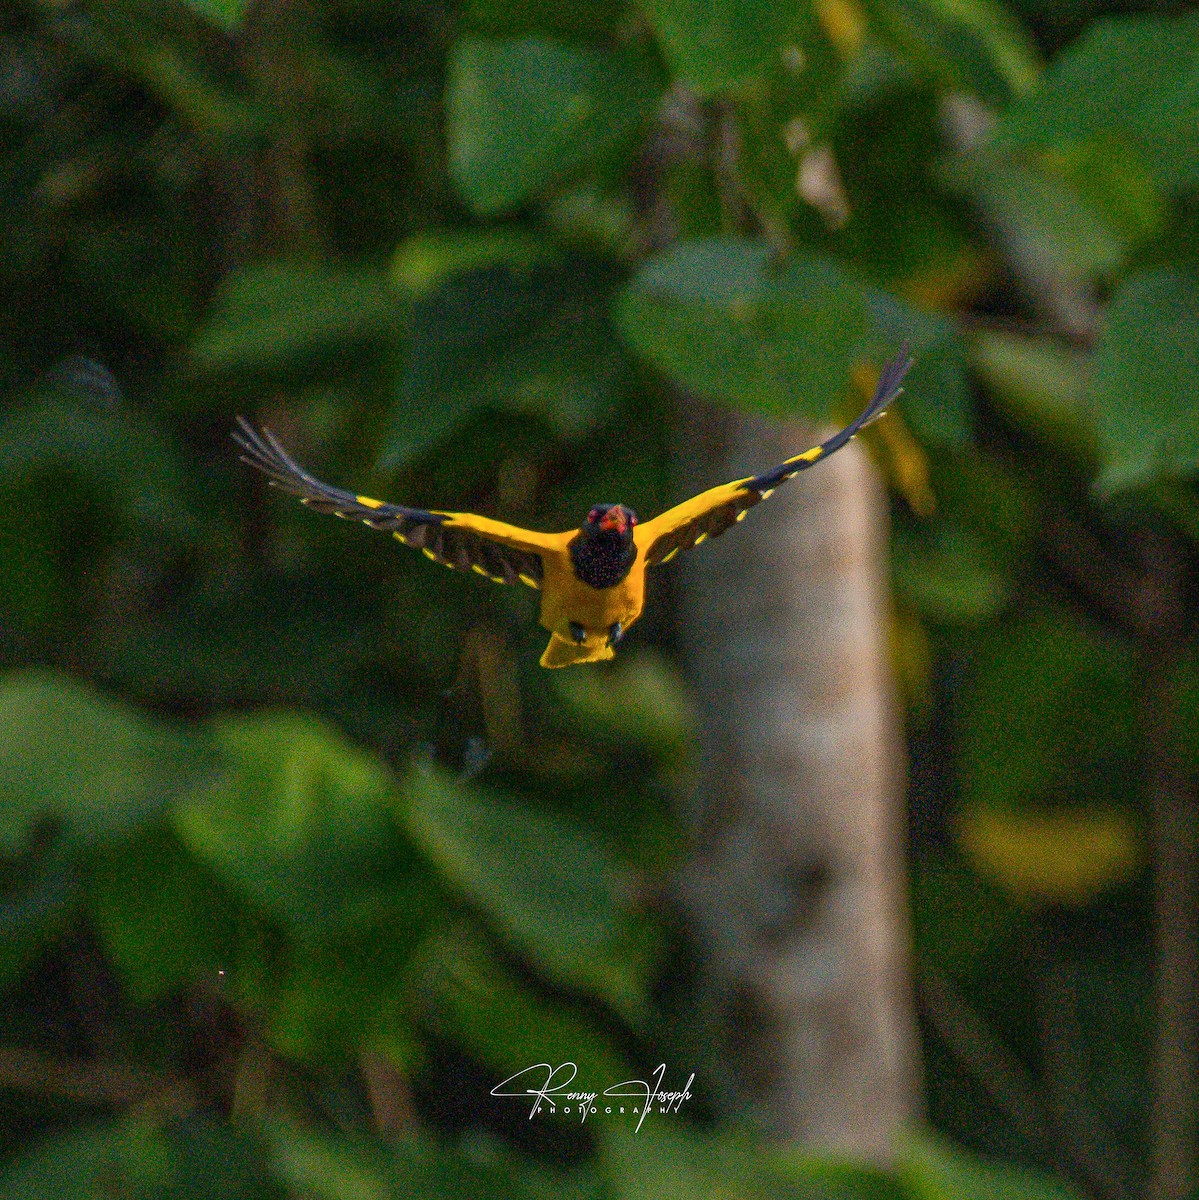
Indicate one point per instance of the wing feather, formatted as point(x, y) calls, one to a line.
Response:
point(710, 513)
point(463, 541)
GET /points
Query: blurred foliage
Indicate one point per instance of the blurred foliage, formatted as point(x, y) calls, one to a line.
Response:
point(299, 852)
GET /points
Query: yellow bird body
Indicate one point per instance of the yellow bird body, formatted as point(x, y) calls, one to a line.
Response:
point(592, 579)
point(564, 602)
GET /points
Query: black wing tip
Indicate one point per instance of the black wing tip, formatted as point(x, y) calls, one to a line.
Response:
point(889, 386)
point(248, 437)
point(265, 449)
point(264, 452)
point(898, 367)
point(886, 390)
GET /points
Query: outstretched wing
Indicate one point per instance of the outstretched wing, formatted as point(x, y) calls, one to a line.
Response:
point(503, 553)
point(710, 513)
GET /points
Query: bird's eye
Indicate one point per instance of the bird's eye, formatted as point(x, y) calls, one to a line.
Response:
point(593, 515)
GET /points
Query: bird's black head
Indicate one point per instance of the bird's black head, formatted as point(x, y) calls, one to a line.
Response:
point(603, 553)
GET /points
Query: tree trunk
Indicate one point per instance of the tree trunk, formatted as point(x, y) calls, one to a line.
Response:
point(796, 890)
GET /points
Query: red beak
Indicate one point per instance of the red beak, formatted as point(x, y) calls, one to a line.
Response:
point(613, 519)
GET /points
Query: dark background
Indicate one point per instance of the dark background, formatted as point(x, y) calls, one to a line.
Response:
point(272, 921)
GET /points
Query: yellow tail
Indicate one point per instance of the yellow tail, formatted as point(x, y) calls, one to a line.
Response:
point(563, 653)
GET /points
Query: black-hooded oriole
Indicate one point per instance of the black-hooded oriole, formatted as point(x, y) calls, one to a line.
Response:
point(592, 579)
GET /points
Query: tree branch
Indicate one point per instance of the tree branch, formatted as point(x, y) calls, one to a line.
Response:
point(988, 1061)
point(1176, 884)
point(100, 1081)
point(392, 1109)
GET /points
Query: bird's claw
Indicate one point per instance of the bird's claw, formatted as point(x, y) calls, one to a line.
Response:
point(615, 633)
point(578, 633)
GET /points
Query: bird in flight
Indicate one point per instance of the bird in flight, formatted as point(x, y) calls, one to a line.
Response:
point(591, 579)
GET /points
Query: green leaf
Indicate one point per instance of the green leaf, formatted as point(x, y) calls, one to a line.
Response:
point(218, 1161)
point(93, 769)
point(85, 1164)
point(148, 42)
point(195, 1159)
point(998, 507)
point(165, 920)
point(547, 886)
point(327, 1167)
point(1062, 691)
point(428, 260)
point(299, 822)
point(466, 994)
point(1065, 856)
point(529, 337)
point(317, 1165)
point(1110, 980)
point(223, 118)
point(936, 400)
point(715, 316)
point(1145, 389)
point(1065, 233)
point(525, 112)
point(596, 219)
point(1041, 384)
point(720, 45)
point(969, 45)
point(35, 591)
point(831, 1176)
point(350, 989)
point(270, 314)
point(138, 270)
point(37, 902)
point(932, 1169)
point(1109, 174)
point(641, 701)
point(948, 573)
point(1132, 77)
point(788, 106)
point(904, 232)
point(304, 637)
point(578, 20)
point(961, 922)
point(668, 1160)
point(131, 458)
point(338, 998)
point(225, 14)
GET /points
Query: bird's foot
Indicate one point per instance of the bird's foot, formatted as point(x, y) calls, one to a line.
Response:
point(578, 633)
point(615, 633)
